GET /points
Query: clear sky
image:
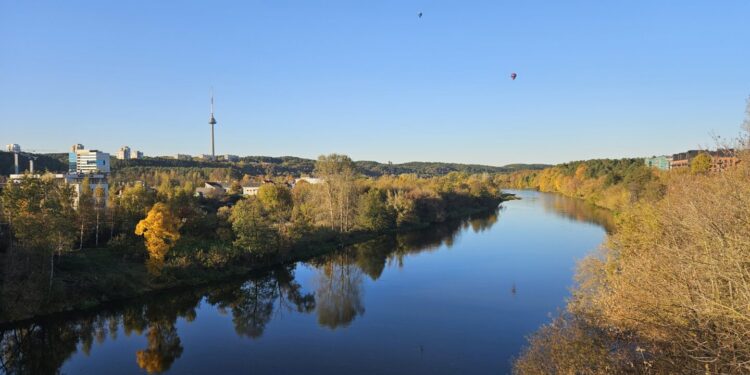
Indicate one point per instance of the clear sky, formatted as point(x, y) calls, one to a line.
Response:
point(370, 79)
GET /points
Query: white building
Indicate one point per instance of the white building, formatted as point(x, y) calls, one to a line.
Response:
point(88, 161)
point(250, 190)
point(210, 190)
point(14, 147)
point(183, 157)
point(83, 165)
point(229, 157)
point(309, 180)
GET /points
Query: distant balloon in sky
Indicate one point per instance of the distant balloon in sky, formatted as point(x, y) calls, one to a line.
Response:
point(513, 76)
point(419, 14)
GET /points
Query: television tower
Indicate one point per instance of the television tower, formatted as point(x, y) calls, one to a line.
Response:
point(212, 122)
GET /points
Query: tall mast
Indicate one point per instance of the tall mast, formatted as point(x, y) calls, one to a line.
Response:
point(212, 122)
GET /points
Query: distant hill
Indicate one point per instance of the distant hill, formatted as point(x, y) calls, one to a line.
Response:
point(45, 162)
point(295, 166)
point(256, 165)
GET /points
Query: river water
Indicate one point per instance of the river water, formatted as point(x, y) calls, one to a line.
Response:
point(458, 298)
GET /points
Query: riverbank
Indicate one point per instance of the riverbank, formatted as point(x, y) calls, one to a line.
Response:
point(92, 277)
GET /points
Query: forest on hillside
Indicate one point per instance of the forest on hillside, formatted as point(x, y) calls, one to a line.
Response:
point(264, 165)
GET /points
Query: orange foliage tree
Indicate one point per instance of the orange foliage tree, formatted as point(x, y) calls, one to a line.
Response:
point(161, 229)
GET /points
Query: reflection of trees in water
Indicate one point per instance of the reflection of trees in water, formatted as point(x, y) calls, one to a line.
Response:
point(37, 348)
point(577, 209)
point(252, 302)
point(164, 347)
point(43, 346)
point(338, 295)
point(339, 282)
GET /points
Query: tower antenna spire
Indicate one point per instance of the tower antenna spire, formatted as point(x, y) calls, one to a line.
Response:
point(212, 122)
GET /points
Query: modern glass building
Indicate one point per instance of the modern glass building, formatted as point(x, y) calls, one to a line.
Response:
point(88, 162)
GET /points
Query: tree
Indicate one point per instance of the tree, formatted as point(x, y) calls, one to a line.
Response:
point(86, 208)
point(161, 228)
point(40, 204)
point(277, 202)
point(340, 191)
point(251, 227)
point(235, 188)
point(134, 202)
point(99, 206)
point(374, 214)
point(701, 163)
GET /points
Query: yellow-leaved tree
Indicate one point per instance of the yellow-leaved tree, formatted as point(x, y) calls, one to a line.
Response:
point(161, 229)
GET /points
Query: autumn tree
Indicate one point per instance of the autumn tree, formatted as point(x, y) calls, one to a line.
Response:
point(251, 227)
point(701, 163)
point(86, 210)
point(161, 229)
point(100, 204)
point(40, 204)
point(374, 214)
point(134, 203)
point(339, 189)
point(277, 201)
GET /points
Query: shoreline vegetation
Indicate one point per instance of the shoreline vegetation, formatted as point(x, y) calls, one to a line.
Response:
point(335, 299)
point(668, 292)
point(60, 255)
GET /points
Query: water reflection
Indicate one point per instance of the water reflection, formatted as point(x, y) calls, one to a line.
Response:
point(44, 345)
point(573, 209)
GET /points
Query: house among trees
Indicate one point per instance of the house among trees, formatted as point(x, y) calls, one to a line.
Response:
point(210, 189)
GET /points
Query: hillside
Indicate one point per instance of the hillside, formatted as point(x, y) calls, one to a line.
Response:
point(255, 165)
point(44, 162)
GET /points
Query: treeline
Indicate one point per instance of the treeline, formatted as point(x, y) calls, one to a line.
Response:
point(261, 165)
point(294, 166)
point(610, 183)
point(156, 220)
point(668, 294)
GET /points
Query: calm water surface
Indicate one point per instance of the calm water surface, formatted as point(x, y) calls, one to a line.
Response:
point(456, 299)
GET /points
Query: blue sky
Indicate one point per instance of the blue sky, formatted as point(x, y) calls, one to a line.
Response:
point(374, 81)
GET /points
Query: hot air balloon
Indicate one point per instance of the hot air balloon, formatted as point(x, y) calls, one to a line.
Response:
point(513, 76)
point(419, 14)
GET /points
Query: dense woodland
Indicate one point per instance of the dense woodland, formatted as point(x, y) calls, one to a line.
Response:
point(156, 230)
point(610, 183)
point(669, 291)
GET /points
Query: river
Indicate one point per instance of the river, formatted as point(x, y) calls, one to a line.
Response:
point(457, 298)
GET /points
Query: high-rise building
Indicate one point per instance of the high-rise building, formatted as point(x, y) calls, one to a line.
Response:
point(123, 153)
point(14, 147)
